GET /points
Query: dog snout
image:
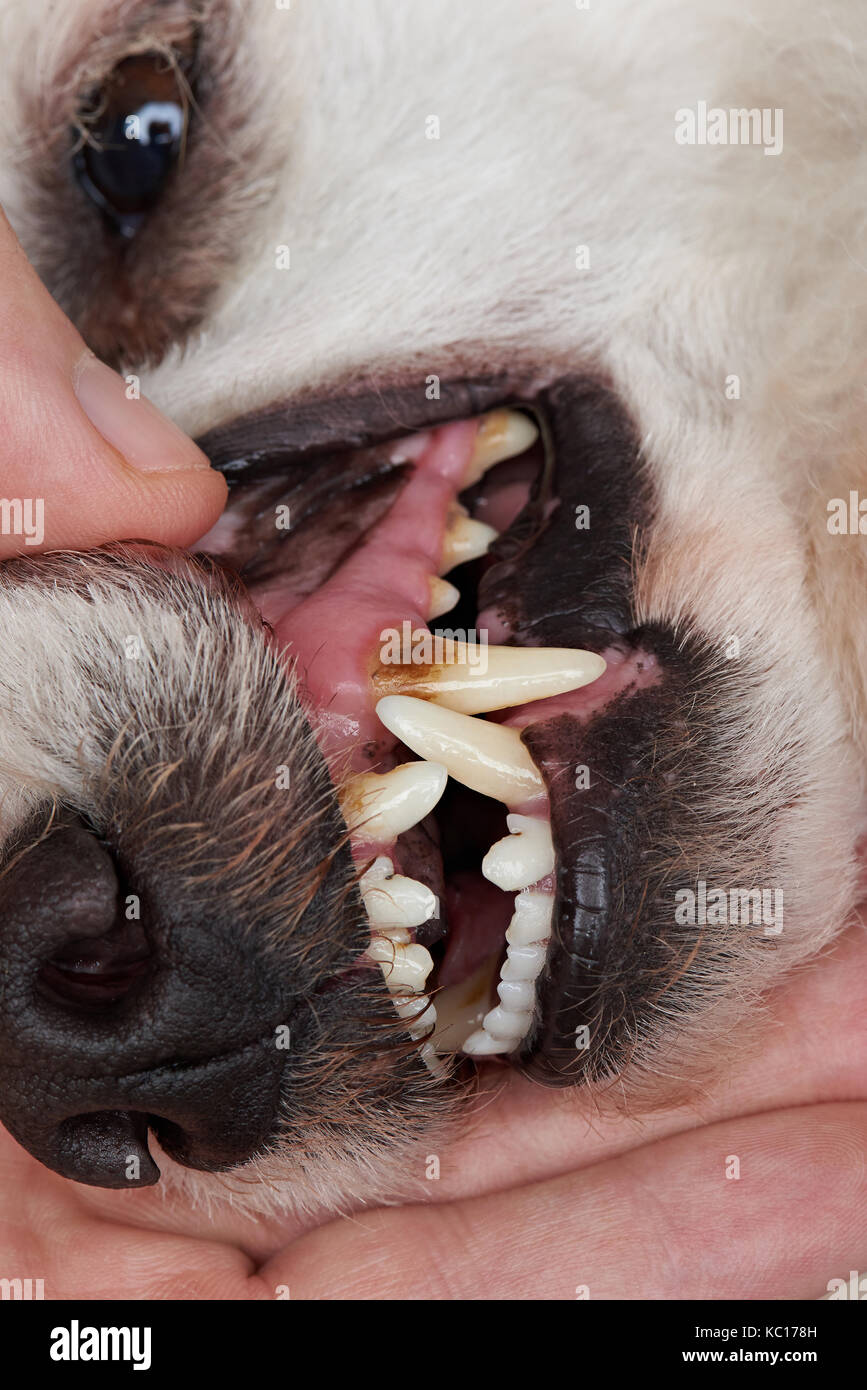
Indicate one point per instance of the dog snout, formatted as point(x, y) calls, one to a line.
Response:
point(119, 1017)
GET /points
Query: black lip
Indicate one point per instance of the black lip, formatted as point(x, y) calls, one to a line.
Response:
point(260, 443)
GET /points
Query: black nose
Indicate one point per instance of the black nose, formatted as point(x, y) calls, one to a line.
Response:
point(119, 1016)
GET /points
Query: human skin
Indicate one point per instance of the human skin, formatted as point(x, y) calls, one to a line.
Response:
point(540, 1195)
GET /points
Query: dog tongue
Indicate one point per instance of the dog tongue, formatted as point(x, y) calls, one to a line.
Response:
point(334, 634)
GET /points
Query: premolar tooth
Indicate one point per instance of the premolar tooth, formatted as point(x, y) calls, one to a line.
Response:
point(384, 805)
point(393, 901)
point(464, 539)
point(420, 1010)
point(488, 758)
point(404, 966)
point(503, 434)
point(522, 857)
point(443, 597)
point(474, 678)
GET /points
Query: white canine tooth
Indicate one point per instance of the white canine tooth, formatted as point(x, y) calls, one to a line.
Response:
point(393, 901)
point(404, 966)
point(531, 920)
point(523, 962)
point(477, 678)
point(384, 805)
point(443, 597)
point(522, 857)
point(464, 539)
point(503, 434)
point(488, 758)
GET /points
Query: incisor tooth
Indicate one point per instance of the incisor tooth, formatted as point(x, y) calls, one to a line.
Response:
point(443, 597)
point(487, 758)
point(502, 435)
point(521, 857)
point(476, 678)
point(464, 539)
point(384, 805)
point(393, 901)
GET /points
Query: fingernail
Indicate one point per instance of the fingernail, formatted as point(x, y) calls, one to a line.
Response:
point(147, 439)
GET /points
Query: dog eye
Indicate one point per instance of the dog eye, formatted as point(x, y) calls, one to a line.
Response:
point(134, 131)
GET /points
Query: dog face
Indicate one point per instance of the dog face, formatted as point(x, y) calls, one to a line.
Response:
point(375, 252)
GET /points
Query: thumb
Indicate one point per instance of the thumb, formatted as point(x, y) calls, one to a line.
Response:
point(82, 460)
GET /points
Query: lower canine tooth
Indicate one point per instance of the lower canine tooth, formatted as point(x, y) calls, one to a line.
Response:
point(503, 434)
point(384, 805)
point(522, 857)
point(393, 901)
point(464, 539)
point(488, 758)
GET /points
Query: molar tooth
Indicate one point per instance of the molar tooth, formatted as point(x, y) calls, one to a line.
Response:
point(412, 1006)
point(393, 901)
point(381, 806)
point(464, 539)
point(523, 962)
point(522, 857)
point(517, 996)
point(474, 678)
point(503, 434)
point(443, 597)
point(487, 758)
point(531, 920)
point(404, 966)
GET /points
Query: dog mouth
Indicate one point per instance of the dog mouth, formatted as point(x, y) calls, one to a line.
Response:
point(423, 587)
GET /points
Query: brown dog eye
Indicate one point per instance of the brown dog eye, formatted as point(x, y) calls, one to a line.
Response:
point(134, 129)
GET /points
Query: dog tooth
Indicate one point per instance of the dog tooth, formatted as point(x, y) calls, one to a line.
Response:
point(517, 996)
point(464, 539)
point(476, 678)
point(522, 857)
point(423, 1018)
point(443, 597)
point(488, 758)
point(523, 962)
point(531, 919)
point(503, 434)
point(481, 1044)
point(503, 1023)
point(393, 901)
point(384, 805)
point(404, 966)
